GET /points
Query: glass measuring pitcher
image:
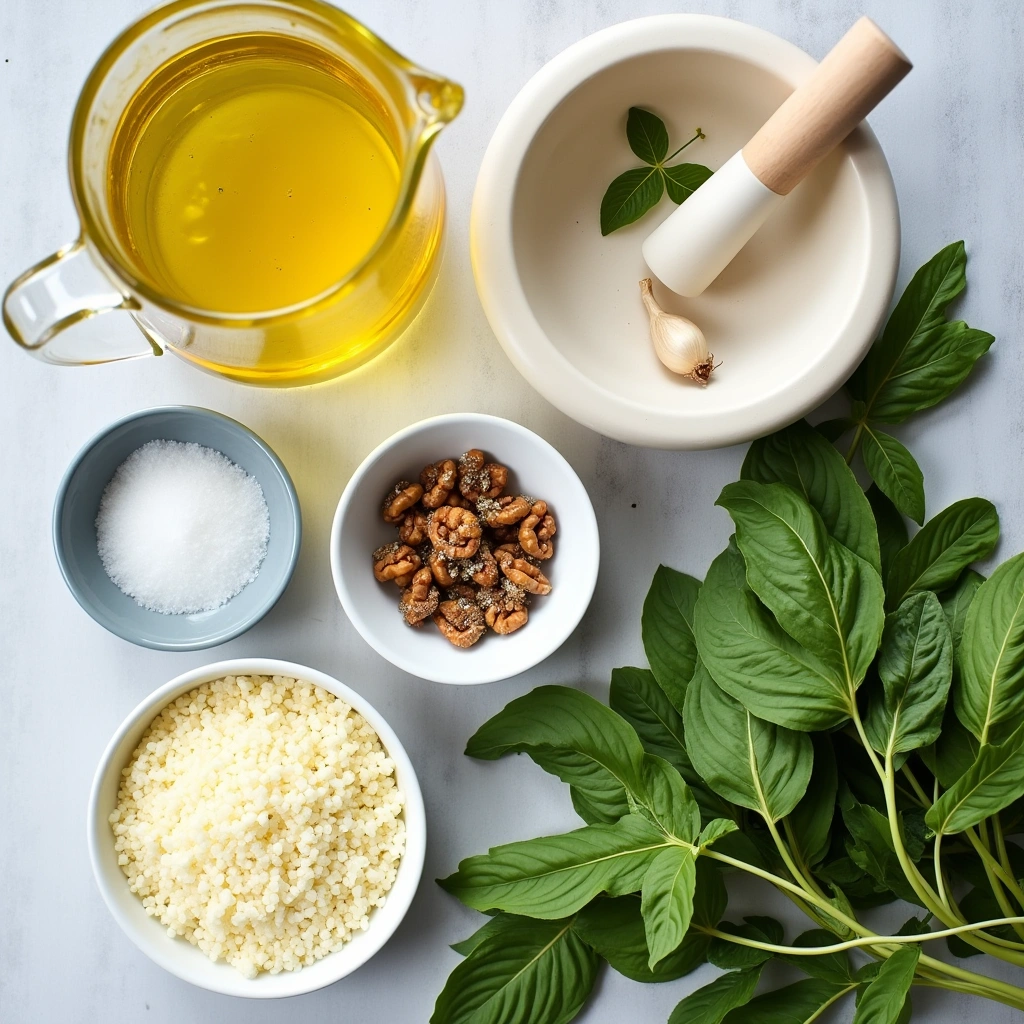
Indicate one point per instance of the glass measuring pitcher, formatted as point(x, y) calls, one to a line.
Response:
point(241, 318)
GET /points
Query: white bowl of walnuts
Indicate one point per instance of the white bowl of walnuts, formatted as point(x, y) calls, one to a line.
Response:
point(465, 549)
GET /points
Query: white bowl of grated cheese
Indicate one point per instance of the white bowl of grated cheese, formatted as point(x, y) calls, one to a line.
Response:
point(292, 871)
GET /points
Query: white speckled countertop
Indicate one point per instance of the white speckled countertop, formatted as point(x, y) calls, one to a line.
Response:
point(954, 135)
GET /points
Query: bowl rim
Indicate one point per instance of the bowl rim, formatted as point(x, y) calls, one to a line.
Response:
point(414, 812)
point(585, 580)
point(501, 291)
point(230, 632)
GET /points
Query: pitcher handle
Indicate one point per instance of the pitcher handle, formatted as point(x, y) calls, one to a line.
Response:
point(53, 309)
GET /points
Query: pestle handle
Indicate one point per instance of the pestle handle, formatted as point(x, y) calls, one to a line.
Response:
point(854, 77)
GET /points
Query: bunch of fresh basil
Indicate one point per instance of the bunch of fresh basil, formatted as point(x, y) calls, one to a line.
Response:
point(837, 710)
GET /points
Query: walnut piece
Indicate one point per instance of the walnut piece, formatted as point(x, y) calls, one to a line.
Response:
point(461, 592)
point(420, 599)
point(413, 528)
point(503, 511)
point(506, 534)
point(439, 480)
point(505, 622)
point(504, 607)
point(454, 532)
point(396, 562)
point(484, 570)
point(479, 478)
point(399, 500)
point(536, 531)
point(461, 622)
point(521, 572)
point(440, 568)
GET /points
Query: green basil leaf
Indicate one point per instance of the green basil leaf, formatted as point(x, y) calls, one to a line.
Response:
point(957, 600)
point(804, 460)
point(811, 820)
point(751, 849)
point(630, 196)
point(979, 905)
point(841, 871)
point(859, 890)
point(488, 928)
point(920, 357)
point(882, 1001)
point(682, 180)
point(834, 967)
point(895, 471)
point(667, 629)
point(573, 736)
point(913, 926)
point(799, 1003)
point(636, 696)
point(710, 896)
point(667, 801)
point(931, 368)
point(826, 597)
point(891, 526)
point(868, 972)
point(714, 830)
point(590, 812)
point(858, 774)
point(710, 1004)
point(832, 430)
point(991, 680)
point(966, 867)
point(744, 759)
point(643, 704)
point(589, 746)
point(923, 302)
point(955, 750)
point(841, 902)
point(915, 832)
point(916, 668)
point(871, 848)
point(751, 657)
point(615, 928)
point(993, 782)
point(554, 876)
point(731, 956)
point(960, 534)
point(667, 901)
point(647, 135)
point(1013, 825)
point(539, 971)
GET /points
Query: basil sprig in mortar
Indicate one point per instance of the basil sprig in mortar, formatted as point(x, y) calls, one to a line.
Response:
point(837, 710)
point(636, 191)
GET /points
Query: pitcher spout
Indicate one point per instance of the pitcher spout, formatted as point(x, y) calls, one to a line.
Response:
point(438, 98)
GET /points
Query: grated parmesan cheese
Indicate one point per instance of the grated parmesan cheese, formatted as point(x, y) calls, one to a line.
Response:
point(259, 818)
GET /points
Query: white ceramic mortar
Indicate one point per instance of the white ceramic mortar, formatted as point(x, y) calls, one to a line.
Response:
point(791, 316)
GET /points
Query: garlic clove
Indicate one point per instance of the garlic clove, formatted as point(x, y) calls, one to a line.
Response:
point(679, 343)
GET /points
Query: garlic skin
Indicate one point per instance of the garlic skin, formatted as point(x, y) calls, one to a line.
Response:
point(679, 343)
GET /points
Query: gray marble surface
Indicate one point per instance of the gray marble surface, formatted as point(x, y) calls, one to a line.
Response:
point(955, 139)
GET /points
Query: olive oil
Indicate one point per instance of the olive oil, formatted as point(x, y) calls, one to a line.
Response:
point(251, 175)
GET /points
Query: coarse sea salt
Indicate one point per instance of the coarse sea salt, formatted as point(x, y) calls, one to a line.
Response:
point(181, 528)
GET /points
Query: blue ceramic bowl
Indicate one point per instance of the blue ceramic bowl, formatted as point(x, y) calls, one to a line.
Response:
point(74, 529)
